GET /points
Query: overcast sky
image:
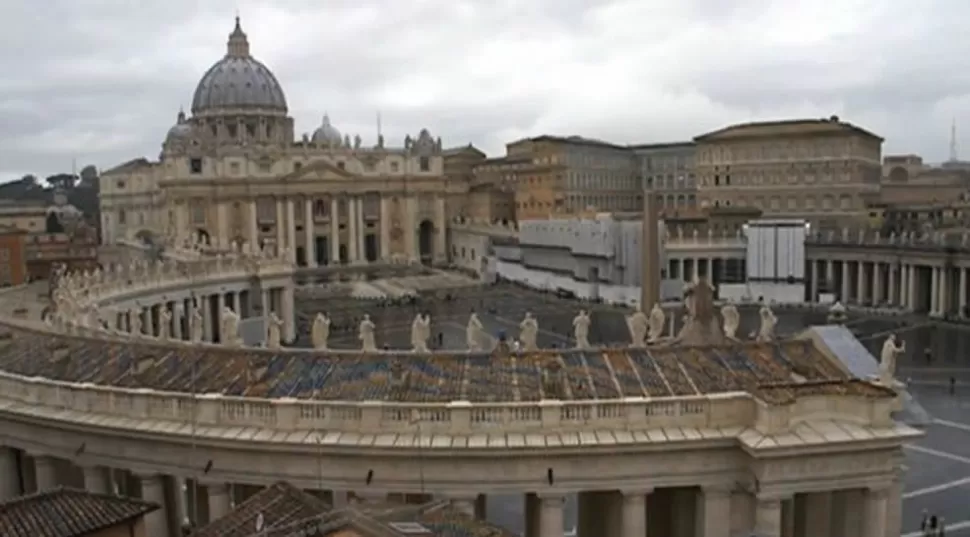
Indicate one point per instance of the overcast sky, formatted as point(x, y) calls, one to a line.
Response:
point(102, 80)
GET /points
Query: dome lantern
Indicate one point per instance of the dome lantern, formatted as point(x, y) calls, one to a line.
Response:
point(238, 45)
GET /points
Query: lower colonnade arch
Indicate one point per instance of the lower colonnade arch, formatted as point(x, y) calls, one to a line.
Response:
point(671, 436)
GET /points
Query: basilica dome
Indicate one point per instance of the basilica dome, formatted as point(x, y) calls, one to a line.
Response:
point(182, 129)
point(326, 132)
point(238, 81)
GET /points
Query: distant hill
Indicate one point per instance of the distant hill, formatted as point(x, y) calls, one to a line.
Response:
point(81, 191)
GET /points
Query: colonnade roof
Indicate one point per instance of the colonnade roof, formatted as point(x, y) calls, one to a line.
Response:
point(776, 372)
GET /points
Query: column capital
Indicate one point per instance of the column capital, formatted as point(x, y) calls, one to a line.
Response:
point(878, 492)
point(717, 489)
point(636, 492)
point(550, 496)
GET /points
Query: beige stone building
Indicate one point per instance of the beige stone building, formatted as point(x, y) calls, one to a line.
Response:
point(233, 172)
point(824, 170)
point(668, 170)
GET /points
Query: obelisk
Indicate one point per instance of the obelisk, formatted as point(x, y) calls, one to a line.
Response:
point(650, 252)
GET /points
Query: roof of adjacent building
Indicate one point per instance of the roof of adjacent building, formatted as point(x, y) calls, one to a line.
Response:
point(64, 512)
point(774, 371)
point(282, 510)
point(788, 127)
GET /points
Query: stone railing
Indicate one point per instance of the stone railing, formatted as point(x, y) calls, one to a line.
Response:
point(484, 227)
point(936, 240)
point(676, 238)
point(729, 410)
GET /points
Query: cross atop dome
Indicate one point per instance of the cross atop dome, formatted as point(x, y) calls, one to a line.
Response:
point(238, 46)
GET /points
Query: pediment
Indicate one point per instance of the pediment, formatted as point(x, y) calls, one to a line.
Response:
point(321, 169)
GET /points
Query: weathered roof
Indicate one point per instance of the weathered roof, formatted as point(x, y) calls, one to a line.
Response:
point(790, 127)
point(277, 505)
point(64, 512)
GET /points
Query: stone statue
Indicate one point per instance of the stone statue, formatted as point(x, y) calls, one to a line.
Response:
point(274, 331)
point(164, 323)
point(230, 327)
point(473, 332)
point(420, 332)
point(637, 324)
point(657, 323)
point(528, 332)
point(732, 319)
point(196, 324)
point(366, 334)
point(380, 141)
point(768, 321)
point(581, 329)
point(134, 318)
point(357, 141)
point(887, 359)
point(320, 332)
point(837, 313)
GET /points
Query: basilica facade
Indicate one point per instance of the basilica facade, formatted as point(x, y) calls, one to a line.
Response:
point(233, 172)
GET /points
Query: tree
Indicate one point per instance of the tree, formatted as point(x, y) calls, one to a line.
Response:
point(54, 224)
point(65, 181)
point(89, 176)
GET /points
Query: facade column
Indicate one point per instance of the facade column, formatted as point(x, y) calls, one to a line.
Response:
point(634, 518)
point(280, 226)
point(253, 227)
point(207, 327)
point(894, 508)
point(441, 229)
point(877, 296)
point(550, 515)
point(220, 307)
point(152, 490)
point(861, 282)
point(352, 230)
point(9, 474)
point(96, 479)
point(385, 229)
point(713, 509)
point(411, 229)
point(45, 472)
point(830, 276)
point(218, 494)
point(892, 295)
point(814, 282)
point(361, 232)
point(914, 277)
point(224, 237)
point(934, 290)
point(291, 230)
point(962, 297)
point(767, 517)
point(176, 310)
point(334, 231)
point(287, 315)
point(309, 234)
point(876, 512)
point(845, 282)
point(944, 300)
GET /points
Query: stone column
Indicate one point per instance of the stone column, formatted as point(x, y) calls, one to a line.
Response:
point(352, 230)
point(830, 275)
point(207, 326)
point(934, 290)
point(877, 296)
point(253, 226)
point(334, 231)
point(767, 517)
point(218, 494)
point(911, 286)
point(96, 479)
point(634, 518)
point(220, 306)
point(550, 514)
point(814, 282)
point(177, 314)
point(45, 472)
point(266, 303)
point(893, 292)
point(361, 232)
point(280, 225)
point(411, 229)
point(385, 229)
point(861, 282)
point(222, 218)
point(291, 230)
point(440, 229)
point(818, 515)
point(894, 508)
point(9, 474)
point(944, 300)
point(181, 506)
point(845, 282)
point(962, 297)
point(876, 512)
point(153, 491)
point(714, 508)
point(309, 234)
point(287, 305)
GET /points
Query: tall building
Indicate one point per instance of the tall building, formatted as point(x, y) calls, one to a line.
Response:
point(233, 172)
point(668, 170)
point(572, 174)
point(823, 170)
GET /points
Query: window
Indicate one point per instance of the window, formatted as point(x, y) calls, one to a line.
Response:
point(121, 216)
point(297, 166)
point(342, 165)
point(5, 254)
point(195, 165)
point(394, 167)
point(121, 184)
point(424, 163)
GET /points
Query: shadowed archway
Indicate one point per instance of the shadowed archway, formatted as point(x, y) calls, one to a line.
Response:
point(426, 242)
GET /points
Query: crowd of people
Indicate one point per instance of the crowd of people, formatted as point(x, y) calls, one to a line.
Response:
point(932, 525)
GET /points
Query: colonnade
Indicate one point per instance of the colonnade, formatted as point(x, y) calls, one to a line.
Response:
point(683, 511)
point(901, 284)
point(280, 300)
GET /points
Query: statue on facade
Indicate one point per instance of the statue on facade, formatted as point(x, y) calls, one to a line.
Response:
point(473, 332)
point(732, 319)
point(274, 331)
point(357, 141)
point(766, 332)
point(837, 313)
point(135, 321)
point(164, 323)
point(887, 359)
point(365, 333)
point(657, 324)
point(637, 324)
point(581, 329)
point(230, 327)
point(420, 332)
point(196, 324)
point(380, 141)
point(529, 332)
point(320, 332)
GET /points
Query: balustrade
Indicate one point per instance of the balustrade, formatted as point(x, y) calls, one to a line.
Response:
point(867, 237)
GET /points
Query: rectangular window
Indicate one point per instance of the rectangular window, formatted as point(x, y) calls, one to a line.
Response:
point(195, 165)
point(424, 163)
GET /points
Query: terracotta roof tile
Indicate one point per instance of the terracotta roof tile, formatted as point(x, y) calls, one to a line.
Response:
point(64, 512)
point(280, 504)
